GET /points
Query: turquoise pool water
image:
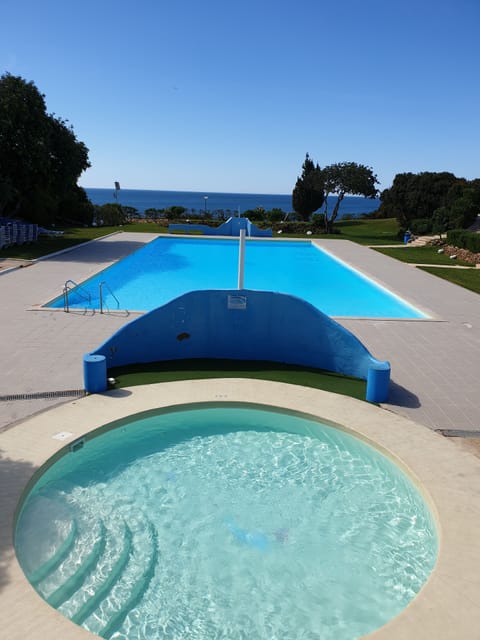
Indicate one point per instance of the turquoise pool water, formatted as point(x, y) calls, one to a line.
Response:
point(226, 521)
point(169, 267)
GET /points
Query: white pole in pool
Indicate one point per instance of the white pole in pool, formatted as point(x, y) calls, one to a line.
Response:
point(241, 258)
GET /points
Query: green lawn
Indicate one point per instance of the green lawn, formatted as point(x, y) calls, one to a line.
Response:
point(369, 231)
point(420, 255)
point(169, 371)
point(361, 231)
point(467, 278)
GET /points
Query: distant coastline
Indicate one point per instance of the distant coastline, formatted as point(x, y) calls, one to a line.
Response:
point(212, 202)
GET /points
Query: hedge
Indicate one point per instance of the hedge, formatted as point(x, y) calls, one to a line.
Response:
point(464, 240)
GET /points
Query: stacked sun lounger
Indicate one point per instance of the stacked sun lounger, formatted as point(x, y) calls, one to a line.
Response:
point(14, 232)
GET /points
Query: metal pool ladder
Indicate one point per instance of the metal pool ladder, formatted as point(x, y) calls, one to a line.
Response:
point(106, 285)
point(82, 292)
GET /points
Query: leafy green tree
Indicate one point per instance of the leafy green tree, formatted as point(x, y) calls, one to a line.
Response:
point(110, 214)
point(346, 178)
point(308, 194)
point(130, 212)
point(275, 215)
point(255, 215)
point(75, 207)
point(419, 195)
point(174, 212)
point(441, 221)
point(462, 209)
point(40, 157)
point(153, 213)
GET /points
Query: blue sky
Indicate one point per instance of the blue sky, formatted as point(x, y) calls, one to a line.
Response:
point(224, 96)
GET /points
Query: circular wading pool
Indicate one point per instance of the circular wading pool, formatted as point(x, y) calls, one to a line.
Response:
point(225, 521)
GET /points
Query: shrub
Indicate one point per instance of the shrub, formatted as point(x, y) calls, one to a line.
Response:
point(318, 222)
point(109, 214)
point(275, 215)
point(255, 215)
point(421, 226)
point(464, 240)
point(301, 228)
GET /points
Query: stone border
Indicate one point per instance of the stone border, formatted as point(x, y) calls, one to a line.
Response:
point(448, 606)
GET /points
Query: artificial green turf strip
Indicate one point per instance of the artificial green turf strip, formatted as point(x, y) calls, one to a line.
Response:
point(467, 278)
point(172, 370)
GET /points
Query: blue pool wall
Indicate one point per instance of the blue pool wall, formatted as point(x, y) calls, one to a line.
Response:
point(230, 227)
point(239, 325)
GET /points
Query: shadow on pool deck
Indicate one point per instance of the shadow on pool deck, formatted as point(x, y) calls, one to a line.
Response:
point(401, 397)
point(96, 251)
point(14, 475)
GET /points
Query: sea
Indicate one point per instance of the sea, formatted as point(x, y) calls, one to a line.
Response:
point(217, 203)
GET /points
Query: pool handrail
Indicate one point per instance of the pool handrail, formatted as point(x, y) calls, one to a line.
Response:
point(100, 286)
point(79, 289)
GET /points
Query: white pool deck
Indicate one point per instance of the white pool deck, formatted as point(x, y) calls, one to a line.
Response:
point(435, 384)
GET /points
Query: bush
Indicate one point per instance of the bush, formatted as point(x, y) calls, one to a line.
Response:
point(109, 214)
point(255, 215)
point(421, 226)
point(464, 240)
point(153, 213)
point(301, 228)
point(174, 212)
point(275, 215)
point(318, 222)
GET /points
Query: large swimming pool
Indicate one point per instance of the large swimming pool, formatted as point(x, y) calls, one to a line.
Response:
point(226, 521)
point(169, 267)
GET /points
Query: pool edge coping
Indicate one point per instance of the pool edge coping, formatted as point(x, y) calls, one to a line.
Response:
point(446, 607)
point(427, 314)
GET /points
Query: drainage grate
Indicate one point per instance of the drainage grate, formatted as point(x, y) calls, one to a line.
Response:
point(44, 395)
point(458, 433)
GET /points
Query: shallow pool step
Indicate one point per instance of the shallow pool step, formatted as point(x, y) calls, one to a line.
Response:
point(138, 590)
point(56, 560)
point(104, 589)
point(75, 582)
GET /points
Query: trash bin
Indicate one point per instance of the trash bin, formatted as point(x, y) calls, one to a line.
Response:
point(378, 381)
point(406, 237)
point(94, 373)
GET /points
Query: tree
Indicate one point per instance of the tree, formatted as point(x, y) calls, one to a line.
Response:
point(461, 210)
point(40, 157)
point(308, 194)
point(110, 214)
point(346, 178)
point(414, 196)
point(257, 215)
point(275, 215)
point(153, 213)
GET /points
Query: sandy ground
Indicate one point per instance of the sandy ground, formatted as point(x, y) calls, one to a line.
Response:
point(469, 444)
point(11, 263)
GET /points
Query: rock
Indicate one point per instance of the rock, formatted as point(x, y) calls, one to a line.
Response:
point(462, 254)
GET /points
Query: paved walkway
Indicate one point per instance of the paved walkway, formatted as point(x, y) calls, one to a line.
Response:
point(42, 349)
point(435, 363)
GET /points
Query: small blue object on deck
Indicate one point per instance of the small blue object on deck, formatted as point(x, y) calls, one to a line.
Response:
point(378, 381)
point(94, 373)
